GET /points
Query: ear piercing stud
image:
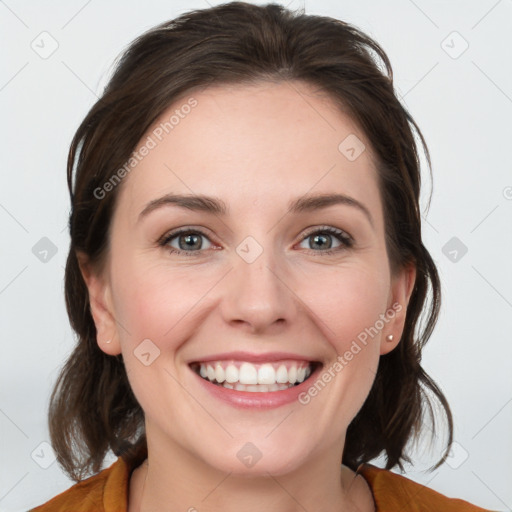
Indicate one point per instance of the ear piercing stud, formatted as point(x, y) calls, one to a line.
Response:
point(108, 341)
point(389, 337)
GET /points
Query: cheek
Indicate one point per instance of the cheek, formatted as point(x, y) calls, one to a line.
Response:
point(350, 316)
point(348, 302)
point(157, 302)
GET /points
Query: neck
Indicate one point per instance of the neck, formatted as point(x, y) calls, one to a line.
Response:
point(182, 482)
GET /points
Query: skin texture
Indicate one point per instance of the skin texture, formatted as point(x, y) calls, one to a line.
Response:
point(256, 147)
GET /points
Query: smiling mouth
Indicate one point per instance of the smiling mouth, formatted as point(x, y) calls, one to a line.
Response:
point(245, 376)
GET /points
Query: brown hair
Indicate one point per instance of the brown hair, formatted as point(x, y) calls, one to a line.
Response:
point(92, 407)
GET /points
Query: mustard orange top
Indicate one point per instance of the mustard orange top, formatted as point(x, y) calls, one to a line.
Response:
point(108, 492)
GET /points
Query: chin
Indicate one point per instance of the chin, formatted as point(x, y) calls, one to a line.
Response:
point(253, 459)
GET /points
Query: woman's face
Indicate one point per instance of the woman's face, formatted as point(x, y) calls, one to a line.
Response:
point(270, 283)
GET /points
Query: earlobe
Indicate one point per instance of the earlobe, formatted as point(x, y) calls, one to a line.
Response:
point(400, 293)
point(389, 343)
point(100, 304)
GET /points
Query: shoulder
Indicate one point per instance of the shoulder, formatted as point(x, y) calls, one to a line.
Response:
point(392, 491)
point(105, 492)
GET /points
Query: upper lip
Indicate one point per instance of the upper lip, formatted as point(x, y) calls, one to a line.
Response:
point(253, 357)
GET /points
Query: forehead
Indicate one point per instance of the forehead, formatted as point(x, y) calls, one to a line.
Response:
point(258, 144)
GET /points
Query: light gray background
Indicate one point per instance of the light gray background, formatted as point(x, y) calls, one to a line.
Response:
point(462, 102)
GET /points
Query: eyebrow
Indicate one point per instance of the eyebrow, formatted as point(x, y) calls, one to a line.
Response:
point(215, 206)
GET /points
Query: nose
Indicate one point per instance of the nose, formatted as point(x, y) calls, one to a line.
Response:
point(257, 296)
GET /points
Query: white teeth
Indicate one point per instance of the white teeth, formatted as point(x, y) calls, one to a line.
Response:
point(231, 373)
point(266, 374)
point(282, 375)
point(246, 376)
point(220, 374)
point(257, 388)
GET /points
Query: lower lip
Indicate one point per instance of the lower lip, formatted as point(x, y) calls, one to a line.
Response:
point(251, 400)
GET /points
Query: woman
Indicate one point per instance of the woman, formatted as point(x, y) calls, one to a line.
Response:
point(245, 276)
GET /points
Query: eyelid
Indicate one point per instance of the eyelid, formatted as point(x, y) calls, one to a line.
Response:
point(329, 229)
point(168, 235)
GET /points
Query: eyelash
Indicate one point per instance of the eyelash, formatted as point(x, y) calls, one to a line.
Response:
point(346, 240)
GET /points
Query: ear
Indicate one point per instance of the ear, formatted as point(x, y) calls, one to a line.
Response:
point(100, 303)
point(402, 285)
